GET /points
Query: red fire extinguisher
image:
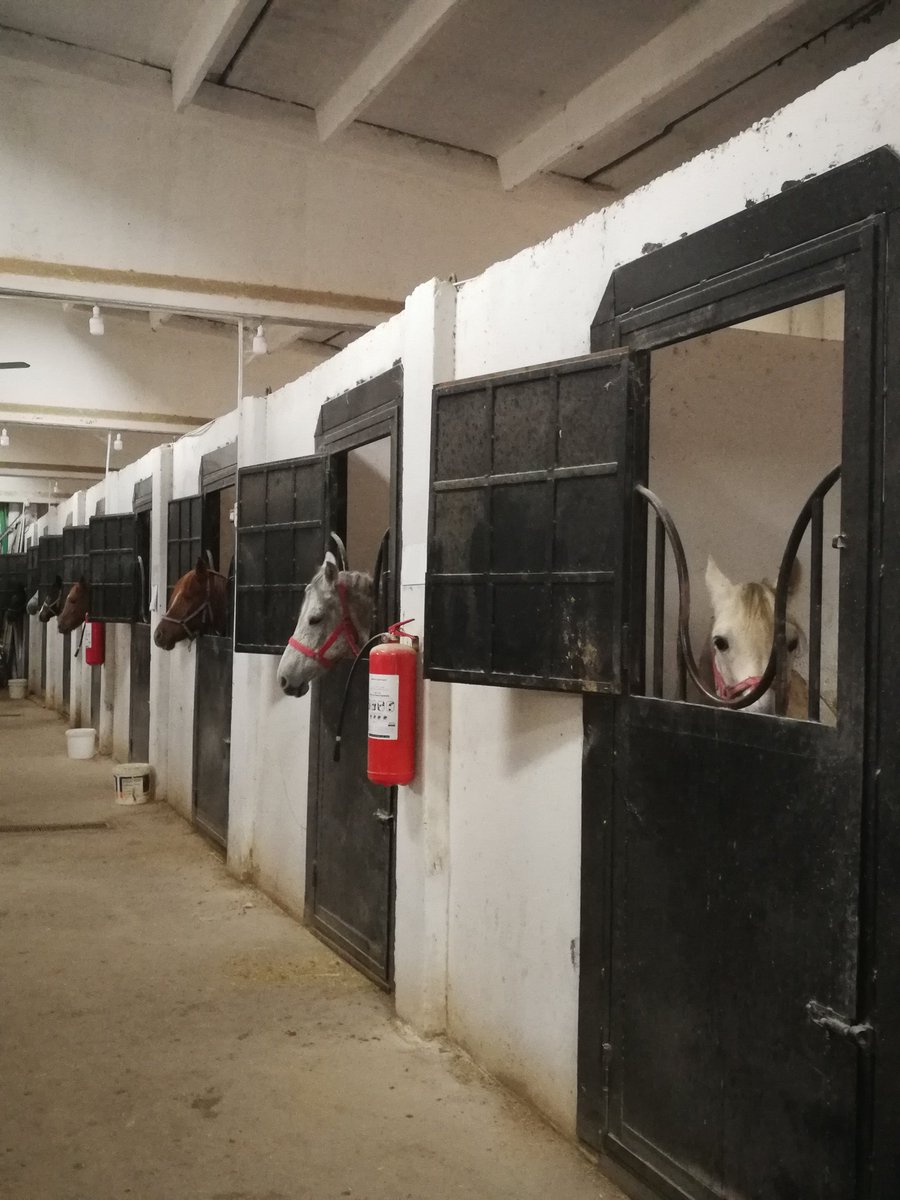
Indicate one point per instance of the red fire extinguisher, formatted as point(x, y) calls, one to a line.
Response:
point(94, 642)
point(392, 707)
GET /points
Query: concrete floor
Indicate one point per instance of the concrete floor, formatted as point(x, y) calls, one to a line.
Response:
point(168, 1034)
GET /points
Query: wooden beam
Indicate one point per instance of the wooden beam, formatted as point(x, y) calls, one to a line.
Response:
point(707, 35)
point(419, 21)
point(217, 23)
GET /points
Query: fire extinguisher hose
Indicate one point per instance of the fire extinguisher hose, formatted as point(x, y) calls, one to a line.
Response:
point(340, 722)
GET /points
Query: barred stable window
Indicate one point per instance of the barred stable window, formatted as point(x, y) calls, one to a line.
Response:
point(13, 578)
point(34, 576)
point(184, 541)
point(113, 564)
point(280, 546)
point(75, 555)
point(50, 563)
point(530, 508)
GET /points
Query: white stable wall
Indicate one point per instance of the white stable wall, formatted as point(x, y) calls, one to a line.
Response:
point(270, 731)
point(178, 667)
point(515, 788)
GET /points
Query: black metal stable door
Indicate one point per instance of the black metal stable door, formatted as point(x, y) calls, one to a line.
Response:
point(353, 865)
point(736, 856)
point(139, 732)
point(212, 735)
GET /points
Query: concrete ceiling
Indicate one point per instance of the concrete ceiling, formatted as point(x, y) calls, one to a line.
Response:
point(606, 91)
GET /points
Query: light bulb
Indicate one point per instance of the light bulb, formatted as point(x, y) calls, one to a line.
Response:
point(4, 438)
point(95, 324)
point(260, 345)
point(117, 443)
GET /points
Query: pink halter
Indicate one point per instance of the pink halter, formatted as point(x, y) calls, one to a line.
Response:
point(731, 691)
point(345, 629)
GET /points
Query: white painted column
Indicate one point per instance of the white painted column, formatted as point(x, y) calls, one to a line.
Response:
point(423, 867)
point(246, 703)
point(159, 659)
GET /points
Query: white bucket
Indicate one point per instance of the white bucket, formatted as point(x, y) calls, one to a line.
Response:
point(134, 783)
point(81, 743)
point(18, 689)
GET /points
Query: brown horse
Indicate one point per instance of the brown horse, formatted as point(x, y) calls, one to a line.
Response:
point(198, 605)
point(76, 607)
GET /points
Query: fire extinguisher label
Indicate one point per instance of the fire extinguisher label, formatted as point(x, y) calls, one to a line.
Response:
point(383, 707)
point(88, 634)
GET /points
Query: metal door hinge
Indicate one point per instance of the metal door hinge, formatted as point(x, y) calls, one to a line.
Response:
point(383, 816)
point(861, 1033)
point(839, 542)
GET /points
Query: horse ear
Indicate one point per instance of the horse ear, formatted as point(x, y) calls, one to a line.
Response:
point(201, 565)
point(718, 585)
point(330, 569)
point(339, 550)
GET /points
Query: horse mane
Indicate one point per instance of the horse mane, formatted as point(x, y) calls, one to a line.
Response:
point(757, 601)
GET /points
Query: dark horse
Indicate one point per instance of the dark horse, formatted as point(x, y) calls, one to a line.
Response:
point(76, 607)
point(52, 601)
point(198, 605)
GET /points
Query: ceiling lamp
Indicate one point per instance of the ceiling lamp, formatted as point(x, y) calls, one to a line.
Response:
point(117, 444)
point(95, 324)
point(4, 438)
point(260, 345)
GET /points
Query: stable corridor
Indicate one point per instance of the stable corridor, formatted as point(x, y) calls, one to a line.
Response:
point(168, 1032)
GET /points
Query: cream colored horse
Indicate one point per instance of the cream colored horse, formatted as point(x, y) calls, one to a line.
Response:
point(741, 641)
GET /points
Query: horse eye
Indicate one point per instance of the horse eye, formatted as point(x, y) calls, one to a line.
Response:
point(315, 620)
point(792, 644)
point(720, 643)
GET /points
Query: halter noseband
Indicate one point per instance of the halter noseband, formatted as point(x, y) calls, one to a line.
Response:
point(731, 691)
point(51, 607)
point(204, 611)
point(345, 629)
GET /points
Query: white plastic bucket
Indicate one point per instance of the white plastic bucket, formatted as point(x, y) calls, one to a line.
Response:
point(18, 689)
point(81, 743)
point(134, 783)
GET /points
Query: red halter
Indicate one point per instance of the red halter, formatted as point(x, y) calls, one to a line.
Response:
point(345, 629)
point(731, 691)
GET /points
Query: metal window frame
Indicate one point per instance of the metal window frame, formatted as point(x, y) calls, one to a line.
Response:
point(626, 386)
point(101, 556)
point(75, 555)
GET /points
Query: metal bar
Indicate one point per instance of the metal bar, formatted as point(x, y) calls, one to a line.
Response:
point(535, 577)
point(659, 607)
point(817, 534)
point(588, 471)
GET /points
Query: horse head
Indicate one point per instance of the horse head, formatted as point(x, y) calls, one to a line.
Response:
point(76, 607)
point(335, 621)
point(198, 605)
point(743, 630)
point(52, 602)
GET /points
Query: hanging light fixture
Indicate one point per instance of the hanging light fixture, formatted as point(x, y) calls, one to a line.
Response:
point(4, 438)
point(95, 324)
point(260, 345)
point(117, 444)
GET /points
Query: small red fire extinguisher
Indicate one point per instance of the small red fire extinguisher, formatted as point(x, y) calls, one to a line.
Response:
point(94, 643)
point(392, 707)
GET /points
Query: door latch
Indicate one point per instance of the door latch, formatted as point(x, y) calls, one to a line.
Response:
point(861, 1034)
point(382, 815)
point(839, 542)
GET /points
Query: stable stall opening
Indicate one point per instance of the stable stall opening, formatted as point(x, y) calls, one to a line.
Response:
point(745, 422)
point(350, 828)
point(215, 508)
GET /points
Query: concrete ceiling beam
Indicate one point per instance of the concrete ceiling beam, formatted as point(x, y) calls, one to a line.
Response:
point(219, 25)
point(707, 37)
point(97, 418)
point(419, 21)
